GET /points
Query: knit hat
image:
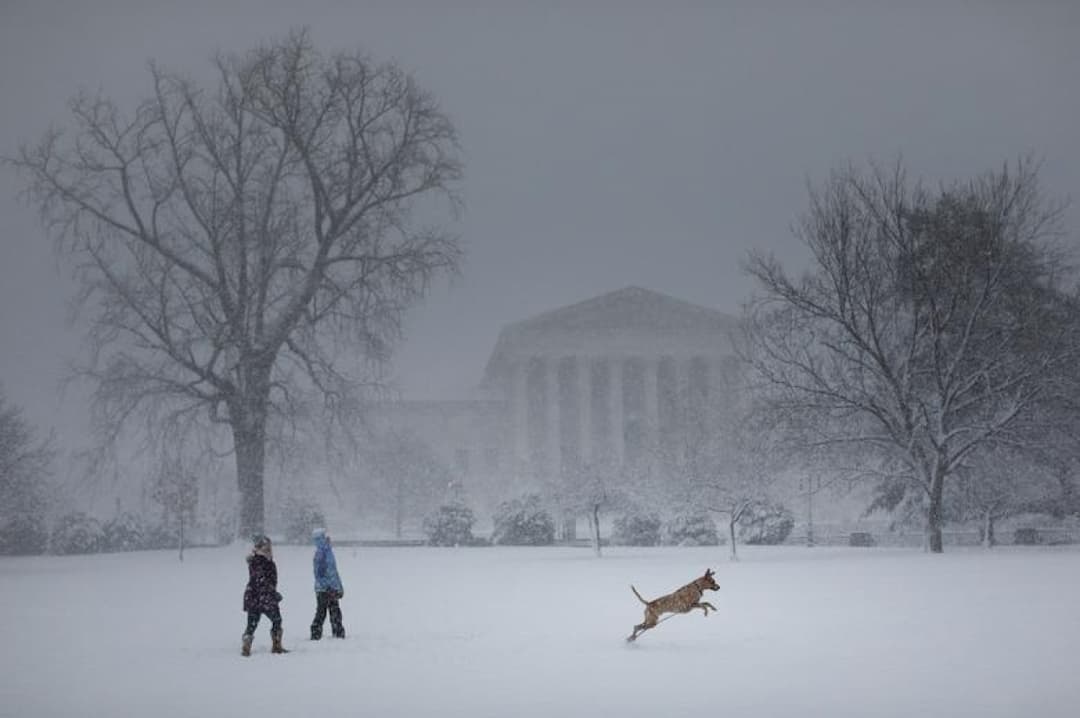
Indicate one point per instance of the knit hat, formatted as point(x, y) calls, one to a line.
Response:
point(318, 532)
point(261, 541)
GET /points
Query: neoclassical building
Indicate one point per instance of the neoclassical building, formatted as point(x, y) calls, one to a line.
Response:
point(603, 380)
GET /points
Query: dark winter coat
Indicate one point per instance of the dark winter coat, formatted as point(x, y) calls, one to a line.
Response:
point(261, 594)
point(326, 573)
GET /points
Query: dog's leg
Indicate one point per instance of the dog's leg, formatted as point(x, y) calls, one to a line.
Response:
point(704, 606)
point(638, 630)
point(649, 622)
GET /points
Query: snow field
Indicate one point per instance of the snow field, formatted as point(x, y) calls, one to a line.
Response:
point(540, 632)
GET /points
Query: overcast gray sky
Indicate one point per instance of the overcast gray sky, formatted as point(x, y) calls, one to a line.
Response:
point(607, 144)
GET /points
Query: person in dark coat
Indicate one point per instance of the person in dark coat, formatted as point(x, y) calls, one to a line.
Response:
point(328, 588)
point(261, 595)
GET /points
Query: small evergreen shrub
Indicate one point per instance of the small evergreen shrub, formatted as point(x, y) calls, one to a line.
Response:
point(77, 533)
point(159, 536)
point(125, 532)
point(766, 525)
point(523, 522)
point(23, 535)
point(1027, 536)
point(691, 528)
point(450, 525)
point(636, 529)
point(300, 519)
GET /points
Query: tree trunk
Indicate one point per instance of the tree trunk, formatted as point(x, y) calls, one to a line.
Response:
point(934, 513)
point(988, 539)
point(731, 532)
point(399, 509)
point(248, 417)
point(595, 520)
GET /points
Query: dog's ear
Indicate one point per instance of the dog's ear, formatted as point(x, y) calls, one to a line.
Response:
point(708, 572)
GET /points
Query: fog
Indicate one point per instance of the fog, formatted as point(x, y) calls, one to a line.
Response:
point(606, 146)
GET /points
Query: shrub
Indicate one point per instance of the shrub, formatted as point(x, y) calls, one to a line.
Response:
point(636, 529)
point(300, 519)
point(159, 536)
point(1027, 536)
point(691, 528)
point(523, 522)
point(77, 533)
point(450, 525)
point(861, 539)
point(766, 524)
point(125, 532)
point(23, 535)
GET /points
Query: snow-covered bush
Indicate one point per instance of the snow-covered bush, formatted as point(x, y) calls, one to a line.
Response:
point(766, 524)
point(300, 519)
point(636, 529)
point(125, 532)
point(691, 528)
point(23, 535)
point(523, 522)
point(77, 532)
point(158, 536)
point(450, 525)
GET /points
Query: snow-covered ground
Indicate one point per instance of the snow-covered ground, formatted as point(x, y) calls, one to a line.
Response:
point(540, 632)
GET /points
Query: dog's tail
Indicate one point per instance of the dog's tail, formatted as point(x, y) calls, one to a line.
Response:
point(638, 595)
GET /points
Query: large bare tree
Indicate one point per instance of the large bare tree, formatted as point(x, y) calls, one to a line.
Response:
point(246, 246)
point(928, 324)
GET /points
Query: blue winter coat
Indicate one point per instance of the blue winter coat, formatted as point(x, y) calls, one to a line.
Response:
point(326, 575)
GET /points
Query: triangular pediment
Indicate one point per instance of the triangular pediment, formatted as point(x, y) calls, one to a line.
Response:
point(627, 308)
point(628, 321)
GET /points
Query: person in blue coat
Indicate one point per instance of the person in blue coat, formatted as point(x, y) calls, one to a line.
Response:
point(328, 589)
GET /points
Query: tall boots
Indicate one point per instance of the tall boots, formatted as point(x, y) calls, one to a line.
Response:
point(275, 638)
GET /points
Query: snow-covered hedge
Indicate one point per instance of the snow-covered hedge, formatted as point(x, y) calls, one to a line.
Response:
point(636, 529)
point(126, 532)
point(300, 519)
point(23, 535)
point(766, 525)
point(450, 525)
point(523, 522)
point(77, 532)
point(691, 528)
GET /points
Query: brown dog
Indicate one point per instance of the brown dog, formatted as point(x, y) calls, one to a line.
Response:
point(682, 601)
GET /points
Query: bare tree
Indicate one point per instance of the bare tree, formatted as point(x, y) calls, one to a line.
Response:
point(998, 482)
point(928, 324)
point(246, 247)
point(177, 490)
point(726, 458)
point(593, 490)
point(735, 470)
point(405, 477)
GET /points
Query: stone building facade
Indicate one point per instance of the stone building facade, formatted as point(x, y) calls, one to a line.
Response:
point(606, 380)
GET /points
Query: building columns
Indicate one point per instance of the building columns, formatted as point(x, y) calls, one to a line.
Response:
point(615, 411)
point(551, 405)
point(519, 380)
point(584, 389)
point(652, 404)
